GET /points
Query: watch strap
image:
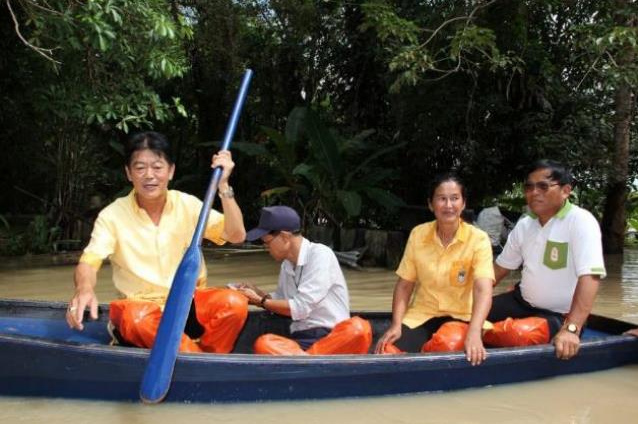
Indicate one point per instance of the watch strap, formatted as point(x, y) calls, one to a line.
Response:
point(229, 193)
point(263, 300)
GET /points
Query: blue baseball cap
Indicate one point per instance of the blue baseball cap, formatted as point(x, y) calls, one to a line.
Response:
point(275, 218)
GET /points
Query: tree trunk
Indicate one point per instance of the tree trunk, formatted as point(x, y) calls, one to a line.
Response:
point(614, 215)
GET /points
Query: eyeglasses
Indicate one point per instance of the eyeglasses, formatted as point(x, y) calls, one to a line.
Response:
point(273, 235)
point(542, 186)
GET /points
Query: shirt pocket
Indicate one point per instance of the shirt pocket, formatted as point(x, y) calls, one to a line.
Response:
point(460, 274)
point(555, 256)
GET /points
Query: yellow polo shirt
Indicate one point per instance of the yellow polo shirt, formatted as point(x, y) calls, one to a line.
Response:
point(444, 276)
point(145, 256)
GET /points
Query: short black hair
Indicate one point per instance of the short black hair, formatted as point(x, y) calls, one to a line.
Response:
point(151, 140)
point(444, 178)
point(558, 171)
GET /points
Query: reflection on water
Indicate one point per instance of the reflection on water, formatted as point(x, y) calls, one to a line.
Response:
point(608, 396)
point(618, 296)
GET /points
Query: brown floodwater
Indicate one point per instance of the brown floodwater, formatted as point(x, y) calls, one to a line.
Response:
point(601, 397)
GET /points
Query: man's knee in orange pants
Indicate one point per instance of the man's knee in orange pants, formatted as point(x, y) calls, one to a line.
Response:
point(138, 321)
point(273, 344)
point(450, 337)
point(351, 336)
point(391, 349)
point(518, 332)
point(222, 313)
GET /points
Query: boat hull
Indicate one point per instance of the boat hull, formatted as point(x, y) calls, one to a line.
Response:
point(46, 359)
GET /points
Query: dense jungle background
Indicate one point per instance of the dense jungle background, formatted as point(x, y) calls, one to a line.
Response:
point(355, 105)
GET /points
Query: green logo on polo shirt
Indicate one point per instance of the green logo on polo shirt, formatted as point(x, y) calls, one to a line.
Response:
point(555, 255)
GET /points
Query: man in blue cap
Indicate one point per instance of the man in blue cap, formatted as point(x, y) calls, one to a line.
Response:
point(311, 290)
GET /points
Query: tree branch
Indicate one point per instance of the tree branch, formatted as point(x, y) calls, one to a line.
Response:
point(593, 65)
point(443, 25)
point(467, 19)
point(47, 53)
point(46, 9)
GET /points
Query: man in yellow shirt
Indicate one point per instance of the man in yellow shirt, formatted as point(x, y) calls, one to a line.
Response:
point(145, 235)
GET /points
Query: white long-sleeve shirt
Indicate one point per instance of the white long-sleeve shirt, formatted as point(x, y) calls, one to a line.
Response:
point(315, 288)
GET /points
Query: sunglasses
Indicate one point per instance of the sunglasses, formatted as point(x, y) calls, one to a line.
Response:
point(542, 186)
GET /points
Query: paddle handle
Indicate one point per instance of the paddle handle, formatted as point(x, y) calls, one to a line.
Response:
point(217, 173)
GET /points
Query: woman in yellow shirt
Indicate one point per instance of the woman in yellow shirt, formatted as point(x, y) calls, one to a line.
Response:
point(447, 264)
point(145, 235)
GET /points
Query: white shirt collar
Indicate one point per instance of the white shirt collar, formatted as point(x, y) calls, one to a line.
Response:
point(302, 257)
point(304, 251)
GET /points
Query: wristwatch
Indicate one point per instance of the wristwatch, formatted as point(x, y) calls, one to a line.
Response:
point(572, 328)
point(229, 193)
point(264, 299)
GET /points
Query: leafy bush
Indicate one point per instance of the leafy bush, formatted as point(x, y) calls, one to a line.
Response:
point(38, 237)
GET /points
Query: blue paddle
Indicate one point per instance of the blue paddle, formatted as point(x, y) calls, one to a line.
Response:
point(159, 369)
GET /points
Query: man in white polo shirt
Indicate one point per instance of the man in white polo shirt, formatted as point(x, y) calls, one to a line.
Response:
point(559, 246)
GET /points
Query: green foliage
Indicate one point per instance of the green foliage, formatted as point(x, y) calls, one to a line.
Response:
point(453, 42)
point(603, 42)
point(632, 218)
point(482, 88)
point(4, 222)
point(125, 44)
point(13, 245)
point(382, 17)
point(111, 61)
point(328, 175)
point(38, 237)
point(517, 89)
point(632, 207)
point(511, 200)
point(342, 171)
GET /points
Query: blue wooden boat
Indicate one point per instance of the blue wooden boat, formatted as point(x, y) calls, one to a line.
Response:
point(41, 356)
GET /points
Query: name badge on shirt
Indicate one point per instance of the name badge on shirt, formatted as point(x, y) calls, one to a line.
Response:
point(458, 273)
point(461, 277)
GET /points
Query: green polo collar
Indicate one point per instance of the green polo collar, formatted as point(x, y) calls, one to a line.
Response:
point(562, 213)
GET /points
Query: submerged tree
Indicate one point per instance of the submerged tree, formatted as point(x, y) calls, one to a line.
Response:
point(617, 48)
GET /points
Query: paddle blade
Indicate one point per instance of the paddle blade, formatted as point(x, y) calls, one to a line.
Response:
point(161, 362)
